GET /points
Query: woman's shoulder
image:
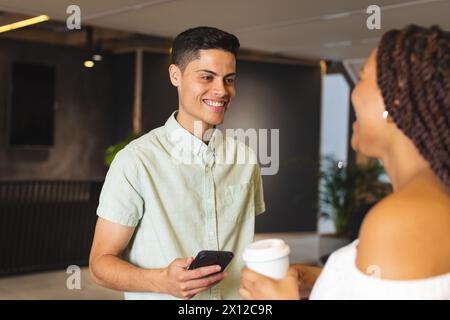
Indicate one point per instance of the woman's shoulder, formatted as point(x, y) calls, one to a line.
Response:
point(420, 202)
point(407, 234)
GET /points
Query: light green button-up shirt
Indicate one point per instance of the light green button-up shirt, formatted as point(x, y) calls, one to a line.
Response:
point(184, 196)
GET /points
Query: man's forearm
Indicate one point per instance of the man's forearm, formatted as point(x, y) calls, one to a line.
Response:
point(112, 272)
point(307, 276)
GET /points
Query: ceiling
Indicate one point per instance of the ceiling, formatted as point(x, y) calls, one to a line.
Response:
point(319, 29)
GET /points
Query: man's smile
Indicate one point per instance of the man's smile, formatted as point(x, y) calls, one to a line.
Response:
point(216, 105)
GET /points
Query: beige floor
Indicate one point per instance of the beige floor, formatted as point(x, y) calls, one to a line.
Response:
point(305, 248)
point(52, 285)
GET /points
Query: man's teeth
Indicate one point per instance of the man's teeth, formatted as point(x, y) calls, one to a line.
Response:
point(215, 103)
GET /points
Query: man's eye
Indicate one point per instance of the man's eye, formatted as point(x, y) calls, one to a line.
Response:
point(206, 77)
point(229, 81)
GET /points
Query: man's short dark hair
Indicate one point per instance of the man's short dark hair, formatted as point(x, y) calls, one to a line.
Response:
point(187, 44)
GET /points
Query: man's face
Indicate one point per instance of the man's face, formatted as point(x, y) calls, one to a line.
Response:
point(206, 86)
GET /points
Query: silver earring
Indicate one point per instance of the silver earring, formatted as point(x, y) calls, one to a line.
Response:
point(385, 114)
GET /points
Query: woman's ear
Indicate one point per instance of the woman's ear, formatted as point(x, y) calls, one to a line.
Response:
point(175, 75)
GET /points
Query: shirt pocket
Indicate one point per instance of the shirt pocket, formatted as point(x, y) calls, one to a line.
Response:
point(238, 203)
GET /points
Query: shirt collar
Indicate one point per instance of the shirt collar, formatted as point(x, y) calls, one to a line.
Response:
point(186, 141)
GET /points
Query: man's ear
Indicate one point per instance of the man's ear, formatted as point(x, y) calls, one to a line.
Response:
point(175, 75)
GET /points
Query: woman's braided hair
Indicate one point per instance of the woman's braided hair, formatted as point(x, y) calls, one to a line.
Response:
point(413, 73)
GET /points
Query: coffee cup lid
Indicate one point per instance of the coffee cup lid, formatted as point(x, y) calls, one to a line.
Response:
point(266, 250)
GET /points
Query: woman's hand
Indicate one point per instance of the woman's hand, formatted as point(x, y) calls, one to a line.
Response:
point(255, 286)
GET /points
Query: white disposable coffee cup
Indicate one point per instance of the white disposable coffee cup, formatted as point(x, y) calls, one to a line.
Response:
point(269, 257)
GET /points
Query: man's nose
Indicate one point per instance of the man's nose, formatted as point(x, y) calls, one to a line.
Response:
point(219, 88)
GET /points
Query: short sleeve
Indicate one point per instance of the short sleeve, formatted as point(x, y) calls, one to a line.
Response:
point(120, 199)
point(260, 206)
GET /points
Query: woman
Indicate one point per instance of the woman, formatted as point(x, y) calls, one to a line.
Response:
point(402, 106)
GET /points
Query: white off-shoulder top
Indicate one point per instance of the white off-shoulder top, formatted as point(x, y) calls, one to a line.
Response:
point(341, 279)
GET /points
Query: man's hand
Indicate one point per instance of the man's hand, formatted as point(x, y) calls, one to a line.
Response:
point(255, 286)
point(182, 283)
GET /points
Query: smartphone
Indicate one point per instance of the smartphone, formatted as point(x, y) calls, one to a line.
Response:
point(209, 258)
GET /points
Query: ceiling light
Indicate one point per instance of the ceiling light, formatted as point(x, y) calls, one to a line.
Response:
point(97, 57)
point(88, 63)
point(24, 23)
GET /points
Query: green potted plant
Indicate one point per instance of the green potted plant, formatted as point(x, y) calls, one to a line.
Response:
point(344, 189)
point(111, 151)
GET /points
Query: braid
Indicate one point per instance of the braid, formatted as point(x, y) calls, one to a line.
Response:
point(413, 73)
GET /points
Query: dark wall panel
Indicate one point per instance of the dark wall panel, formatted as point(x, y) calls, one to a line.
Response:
point(123, 93)
point(83, 119)
point(159, 97)
point(284, 97)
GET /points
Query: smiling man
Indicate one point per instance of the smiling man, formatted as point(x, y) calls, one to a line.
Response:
point(174, 191)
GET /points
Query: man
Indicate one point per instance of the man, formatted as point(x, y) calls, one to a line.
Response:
point(179, 189)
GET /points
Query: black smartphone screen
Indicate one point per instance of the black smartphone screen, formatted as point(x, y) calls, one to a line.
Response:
point(209, 258)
